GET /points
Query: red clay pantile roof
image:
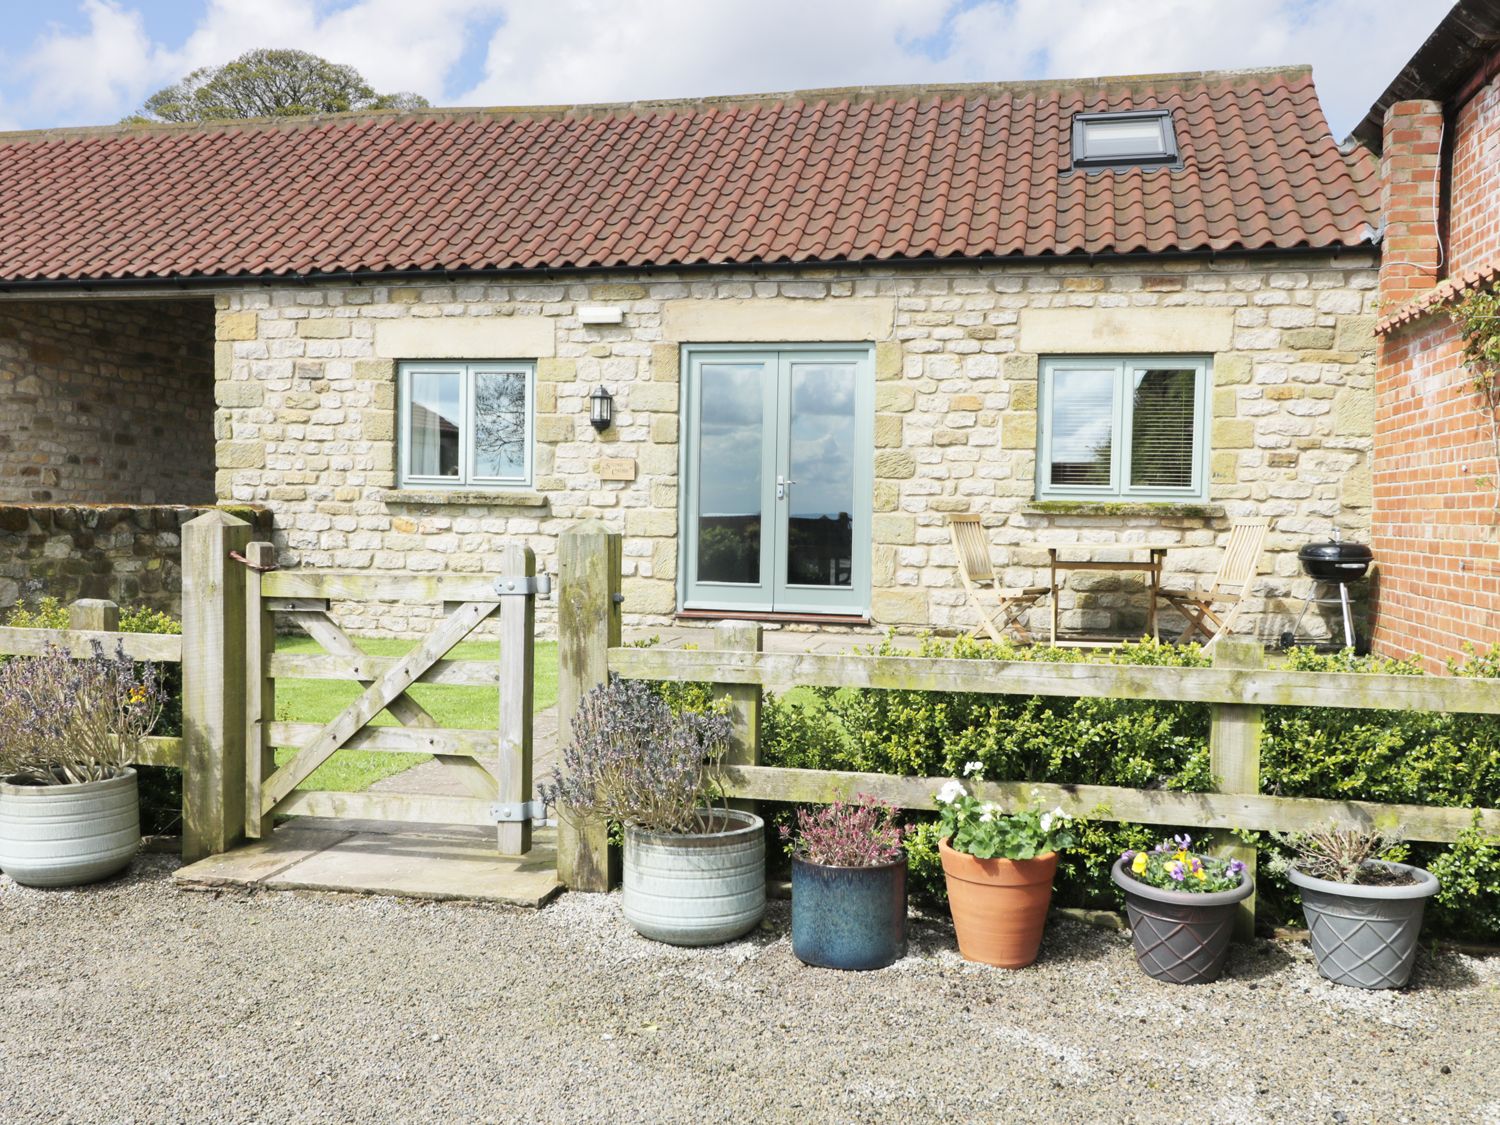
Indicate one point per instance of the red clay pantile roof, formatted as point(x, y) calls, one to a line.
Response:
point(1444, 292)
point(851, 175)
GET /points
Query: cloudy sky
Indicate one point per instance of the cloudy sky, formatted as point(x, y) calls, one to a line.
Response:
point(73, 62)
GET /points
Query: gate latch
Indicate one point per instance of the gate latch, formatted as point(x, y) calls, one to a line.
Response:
point(515, 812)
point(523, 587)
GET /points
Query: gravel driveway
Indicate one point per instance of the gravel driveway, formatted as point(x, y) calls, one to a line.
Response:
point(135, 1001)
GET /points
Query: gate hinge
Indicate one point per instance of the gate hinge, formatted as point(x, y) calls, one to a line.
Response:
point(523, 587)
point(517, 811)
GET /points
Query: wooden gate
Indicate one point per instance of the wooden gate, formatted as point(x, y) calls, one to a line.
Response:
point(500, 797)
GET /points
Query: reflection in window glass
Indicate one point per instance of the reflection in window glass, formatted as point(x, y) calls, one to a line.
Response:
point(1082, 421)
point(820, 533)
point(435, 418)
point(500, 424)
point(731, 425)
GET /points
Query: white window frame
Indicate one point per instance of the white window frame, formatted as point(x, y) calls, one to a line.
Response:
point(468, 372)
point(1124, 368)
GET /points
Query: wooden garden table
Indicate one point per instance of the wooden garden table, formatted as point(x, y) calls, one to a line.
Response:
point(1151, 567)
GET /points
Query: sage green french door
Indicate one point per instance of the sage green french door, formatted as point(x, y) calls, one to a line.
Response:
point(777, 479)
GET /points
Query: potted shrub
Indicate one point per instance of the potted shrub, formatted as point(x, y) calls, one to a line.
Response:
point(695, 870)
point(1364, 914)
point(848, 886)
point(999, 870)
point(1181, 907)
point(69, 812)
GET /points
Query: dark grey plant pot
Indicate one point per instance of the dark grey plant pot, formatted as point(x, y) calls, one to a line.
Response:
point(849, 917)
point(1365, 937)
point(1179, 936)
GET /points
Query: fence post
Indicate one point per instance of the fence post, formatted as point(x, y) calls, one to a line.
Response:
point(213, 684)
point(744, 702)
point(588, 625)
point(517, 660)
point(1234, 758)
point(260, 687)
point(94, 615)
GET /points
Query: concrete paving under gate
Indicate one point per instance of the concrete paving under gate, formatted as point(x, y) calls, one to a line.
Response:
point(379, 857)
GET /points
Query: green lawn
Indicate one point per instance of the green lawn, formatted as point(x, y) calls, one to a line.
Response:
point(473, 708)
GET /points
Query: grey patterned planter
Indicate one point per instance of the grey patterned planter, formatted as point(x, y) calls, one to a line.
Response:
point(849, 917)
point(1365, 937)
point(67, 835)
point(697, 888)
point(1179, 936)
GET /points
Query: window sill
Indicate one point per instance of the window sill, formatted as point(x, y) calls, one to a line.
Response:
point(520, 498)
point(1171, 509)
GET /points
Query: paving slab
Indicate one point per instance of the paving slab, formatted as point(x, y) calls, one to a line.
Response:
point(407, 860)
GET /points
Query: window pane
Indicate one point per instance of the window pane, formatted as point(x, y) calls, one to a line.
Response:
point(1140, 137)
point(500, 424)
point(1162, 424)
point(434, 422)
point(730, 429)
point(820, 528)
point(1082, 419)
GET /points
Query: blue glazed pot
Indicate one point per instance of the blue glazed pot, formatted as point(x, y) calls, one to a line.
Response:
point(849, 917)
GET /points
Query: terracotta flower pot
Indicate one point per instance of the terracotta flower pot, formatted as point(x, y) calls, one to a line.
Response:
point(999, 906)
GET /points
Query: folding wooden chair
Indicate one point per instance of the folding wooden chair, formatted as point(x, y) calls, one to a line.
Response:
point(981, 583)
point(1230, 586)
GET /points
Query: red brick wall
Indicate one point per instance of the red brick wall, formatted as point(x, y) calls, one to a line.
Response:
point(1436, 532)
point(1474, 207)
point(1436, 540)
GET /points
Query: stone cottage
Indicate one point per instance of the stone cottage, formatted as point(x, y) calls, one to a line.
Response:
point(1097, 312)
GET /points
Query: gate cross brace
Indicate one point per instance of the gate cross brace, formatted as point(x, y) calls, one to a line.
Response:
point(374, 699)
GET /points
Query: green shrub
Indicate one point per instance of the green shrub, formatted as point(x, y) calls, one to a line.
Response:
point(1401, 757)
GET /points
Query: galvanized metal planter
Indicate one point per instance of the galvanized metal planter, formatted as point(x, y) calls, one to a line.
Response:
point(1363, 936)
point(65, 835)
point(1180, 937)
point(849, 917)
point(698, 888)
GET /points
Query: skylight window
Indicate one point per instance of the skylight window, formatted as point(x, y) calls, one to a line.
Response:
point(1123, 140)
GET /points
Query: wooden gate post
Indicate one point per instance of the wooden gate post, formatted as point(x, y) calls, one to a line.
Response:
point(260, 686)
point(588, 625)
point(213, 684)
point(94, 615)
point(744, 702)
point(517, 661)
point(1234, 758)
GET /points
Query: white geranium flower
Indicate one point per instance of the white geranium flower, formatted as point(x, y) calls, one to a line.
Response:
point(987, 812)
point(1046, 822)
point(951, 791)
point(1058, 814)
point(971, 769)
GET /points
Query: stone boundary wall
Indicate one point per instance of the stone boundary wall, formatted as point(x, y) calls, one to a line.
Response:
point(106, 402)
point(129, 554)
point(306, 386)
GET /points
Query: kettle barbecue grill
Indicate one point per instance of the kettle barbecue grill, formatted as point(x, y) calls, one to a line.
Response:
point(1336, 564)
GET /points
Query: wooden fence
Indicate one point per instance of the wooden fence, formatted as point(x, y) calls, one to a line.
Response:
point(1236, 689)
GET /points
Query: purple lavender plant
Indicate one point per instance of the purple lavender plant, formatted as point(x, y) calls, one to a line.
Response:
point(861, 833)
point(65, 721)
point(633, 761)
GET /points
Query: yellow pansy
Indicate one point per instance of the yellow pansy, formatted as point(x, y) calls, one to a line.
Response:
point(1140, 863)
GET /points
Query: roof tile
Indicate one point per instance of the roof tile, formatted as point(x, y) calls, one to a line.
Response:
point(964, 172)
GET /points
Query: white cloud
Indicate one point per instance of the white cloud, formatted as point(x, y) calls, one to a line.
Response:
point(545, 51)
point(87, 76)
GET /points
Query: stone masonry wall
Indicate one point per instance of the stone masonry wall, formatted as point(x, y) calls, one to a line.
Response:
point(306, 422)
point(106, 401)
point(129, 554)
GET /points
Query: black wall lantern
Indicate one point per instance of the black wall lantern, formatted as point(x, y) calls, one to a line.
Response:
point(601, 409)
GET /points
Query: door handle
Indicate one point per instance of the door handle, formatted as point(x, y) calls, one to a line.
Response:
point(782, 484)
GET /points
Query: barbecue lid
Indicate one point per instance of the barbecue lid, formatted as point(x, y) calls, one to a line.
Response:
point(1335, 552)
